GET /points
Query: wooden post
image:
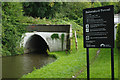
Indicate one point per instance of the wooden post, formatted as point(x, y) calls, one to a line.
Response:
point(71, 44)
point(76, 43)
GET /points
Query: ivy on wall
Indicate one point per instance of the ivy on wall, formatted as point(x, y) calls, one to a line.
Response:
point(55, 36)
point(62, 39)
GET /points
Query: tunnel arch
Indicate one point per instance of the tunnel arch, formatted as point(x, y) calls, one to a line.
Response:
point(36, 43)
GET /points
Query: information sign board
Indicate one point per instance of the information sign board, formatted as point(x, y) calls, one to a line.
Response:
point(98, 27)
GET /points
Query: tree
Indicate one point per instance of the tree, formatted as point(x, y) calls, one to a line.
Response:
point(40, 9)
point(116, 6)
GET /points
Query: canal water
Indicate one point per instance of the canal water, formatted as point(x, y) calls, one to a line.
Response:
point(17, 66)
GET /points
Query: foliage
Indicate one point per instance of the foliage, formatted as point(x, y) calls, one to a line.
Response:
point(60, 10)
point(55, 36)
point(12, 29)
point(96, 4)
point(116, 6)
point(118, 36)
point(40, 9)
point(52, 10)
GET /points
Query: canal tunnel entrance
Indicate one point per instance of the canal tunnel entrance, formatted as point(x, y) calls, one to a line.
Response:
point(36, 44)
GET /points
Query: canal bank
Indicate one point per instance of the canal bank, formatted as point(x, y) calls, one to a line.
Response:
point(67, 65)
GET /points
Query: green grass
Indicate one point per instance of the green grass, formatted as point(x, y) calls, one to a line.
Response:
point(119, 63)
point(101, 67)
point(68, 65)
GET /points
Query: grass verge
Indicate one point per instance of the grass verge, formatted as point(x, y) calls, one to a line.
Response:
point(68, 65)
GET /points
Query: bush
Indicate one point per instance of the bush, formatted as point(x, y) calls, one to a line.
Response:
point(12, 28)
point(118, 36)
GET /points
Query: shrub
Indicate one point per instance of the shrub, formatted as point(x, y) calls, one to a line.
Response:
point(12, 28)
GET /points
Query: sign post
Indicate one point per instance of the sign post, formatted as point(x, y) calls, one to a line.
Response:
point(88, 71)
point(98, 30)
point(112, 63)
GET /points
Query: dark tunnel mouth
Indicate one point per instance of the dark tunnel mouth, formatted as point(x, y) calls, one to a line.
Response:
point(36, 44)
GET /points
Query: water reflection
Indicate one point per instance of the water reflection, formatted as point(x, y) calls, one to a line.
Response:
point(16, 66)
